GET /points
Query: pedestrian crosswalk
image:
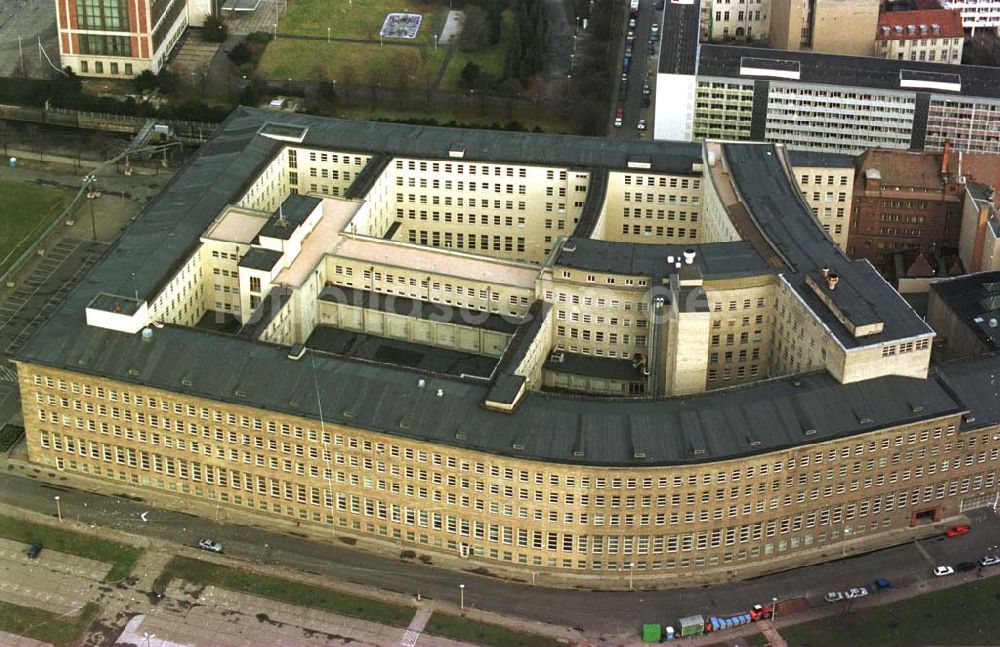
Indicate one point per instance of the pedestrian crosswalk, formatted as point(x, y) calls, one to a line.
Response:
point(409, 638)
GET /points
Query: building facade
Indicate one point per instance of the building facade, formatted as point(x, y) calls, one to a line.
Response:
point(828, 26)
point(118, 38)
point(903, 201)
point(931, 35)
point(422, 396)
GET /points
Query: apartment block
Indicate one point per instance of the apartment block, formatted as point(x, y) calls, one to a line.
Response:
point(506, 409)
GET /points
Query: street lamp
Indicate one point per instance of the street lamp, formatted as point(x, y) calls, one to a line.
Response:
point(327, 35)
point(58, 508)
point(461, 597)
point(847, 531)
point(148, 636)
point(275, 33)
point(774, 612)
point(631, 571)
point(91, 196)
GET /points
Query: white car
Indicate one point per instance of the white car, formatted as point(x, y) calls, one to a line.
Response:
point(989, 560)
point(941, 571)
point(630, 36)
point(641, 125)
point(833, 596)
point(855, 593)
point(210, 544)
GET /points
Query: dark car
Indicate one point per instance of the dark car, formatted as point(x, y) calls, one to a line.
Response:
point(660, 5)
point(965, 567)
point(34, 550)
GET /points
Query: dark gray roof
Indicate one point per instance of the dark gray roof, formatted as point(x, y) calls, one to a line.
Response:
point(853, 71)
point(292, 213)
point(974, 297)
point(820, 160)
point(258, 258)
point(416, 308)
point(787, 224)
point(611, 368)
point(976, 385)
point(715, 260)
point(489, 146)
point(681, 26)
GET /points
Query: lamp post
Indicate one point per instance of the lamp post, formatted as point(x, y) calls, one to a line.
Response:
point(631, 571)
point(148, 636)
point(327, 35)
point(774, 612)
point(461, 597)
point(58, 508)
point(91, 196)
point(275, 32)
point(847, 531)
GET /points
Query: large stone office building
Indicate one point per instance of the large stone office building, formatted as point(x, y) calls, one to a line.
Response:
point(582, 358)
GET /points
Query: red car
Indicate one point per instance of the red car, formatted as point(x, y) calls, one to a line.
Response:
point(957, 531)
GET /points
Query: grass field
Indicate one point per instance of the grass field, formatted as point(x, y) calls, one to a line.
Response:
point(205, 573)
point(962, 615)
point(120, 556)
point(460, 629)
point(358, 64)
point(464, 115)
point(46, 626)
point(25, 211)
point(490, 59)
point(359, 19)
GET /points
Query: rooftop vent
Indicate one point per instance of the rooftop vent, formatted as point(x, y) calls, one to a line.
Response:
point(638, 455)
point(460, 435)
point(440, 393)
point(147, 334)
point(517, 446)
point(809, 432)
point(185, 381)
point(240, 393)
point(421, 383)
point(824, 272)
point(578, 453)
point(689, 255)
point(557, 357)
point(296, 352)
point(569, 246)
point(133, 371)
point(832, 280)
point(968, 417)
point(347, 413)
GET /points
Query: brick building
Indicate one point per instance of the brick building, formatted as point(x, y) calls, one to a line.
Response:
point(925, 35)
point(903, 200)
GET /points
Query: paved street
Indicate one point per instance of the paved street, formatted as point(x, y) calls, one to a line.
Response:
point(642, 69)
point(603, 613)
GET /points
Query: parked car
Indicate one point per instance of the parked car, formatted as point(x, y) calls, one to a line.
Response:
point(619, 117)
point(210, 544)
point(882, 584)
point(631, 23)
point(833, 596)
point(645, 101)
point(645, 88)
point(660, 5)
point(630, 36)
point(941, 571)
point(628, 50)
point(655, 28)
point(990, 560)
point(651, 50)
point(958, 531)
point(641, 125)
point(854, 593)
point(34, 550)
point(965, 567)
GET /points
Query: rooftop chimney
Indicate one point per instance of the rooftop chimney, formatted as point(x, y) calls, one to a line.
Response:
point(689, 256)
point(832, 280)
point(824, 272)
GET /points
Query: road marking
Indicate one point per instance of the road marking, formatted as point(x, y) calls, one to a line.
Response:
point(409, 638)
point(416, 627)
point(8, 374)
point(924, 552)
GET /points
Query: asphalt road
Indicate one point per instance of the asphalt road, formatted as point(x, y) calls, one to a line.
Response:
point(600, 612)
point(641, 69)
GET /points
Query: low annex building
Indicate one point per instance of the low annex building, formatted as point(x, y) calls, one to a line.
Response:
point(409, 335)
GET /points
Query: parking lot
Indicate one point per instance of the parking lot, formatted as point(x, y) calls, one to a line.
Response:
point(53, 581)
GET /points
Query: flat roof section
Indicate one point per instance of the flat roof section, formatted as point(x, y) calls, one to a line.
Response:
point(853, 71)
point(679, 37)
point(437, 261)
point(289, 216)
point(715, 260)
point(816, 159)
point(237, 225)
point(319, 242)
point(611, 368)
point(398, 353)
point(426, 310)
point(975, 299)
point(260, 259)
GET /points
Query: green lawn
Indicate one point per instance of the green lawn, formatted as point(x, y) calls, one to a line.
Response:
point(360, 19)
point(465, 114)
point(962, 615)
point(9, 435)
point(25, 210)
point(357, 64)
point(205, 573)
point(490, 59)
point(460, 629)
point(46, 626)
point(120, 556)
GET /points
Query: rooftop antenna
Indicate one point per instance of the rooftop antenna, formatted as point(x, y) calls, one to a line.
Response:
point(281, 216)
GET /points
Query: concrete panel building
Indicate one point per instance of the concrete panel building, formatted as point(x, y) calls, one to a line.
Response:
point(426, 396)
